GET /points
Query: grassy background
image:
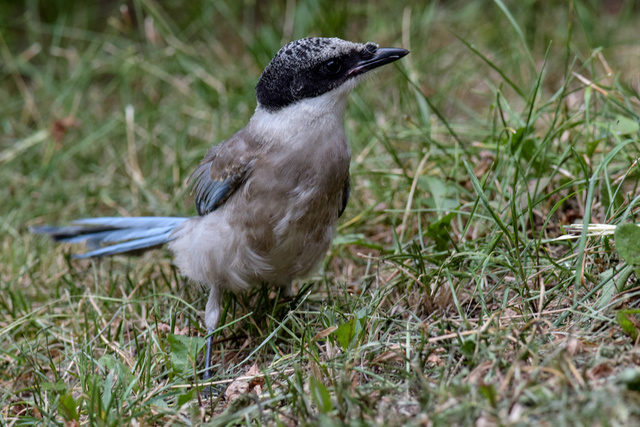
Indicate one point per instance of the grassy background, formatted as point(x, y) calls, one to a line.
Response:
point(452, 303)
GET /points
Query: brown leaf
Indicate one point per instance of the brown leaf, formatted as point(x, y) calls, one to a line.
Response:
point(164, 328)
point(59, 127)
point(574, 346)
point(245, 384)
point(435, 360)
point(325, 333)
point(600, 371)
point(392, 354)
point(476, 376)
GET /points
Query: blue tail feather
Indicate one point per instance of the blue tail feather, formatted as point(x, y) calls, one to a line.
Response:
point(128, 234)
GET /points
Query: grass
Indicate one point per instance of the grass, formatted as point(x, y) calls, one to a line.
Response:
point(446, 299)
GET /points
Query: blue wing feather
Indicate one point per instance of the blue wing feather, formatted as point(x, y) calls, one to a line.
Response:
point(213, 187)
point(346, 190)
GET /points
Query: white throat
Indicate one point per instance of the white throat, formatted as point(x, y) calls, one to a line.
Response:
point(324, 113)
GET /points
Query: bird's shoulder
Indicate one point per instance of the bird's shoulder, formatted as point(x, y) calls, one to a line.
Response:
point(223, 169)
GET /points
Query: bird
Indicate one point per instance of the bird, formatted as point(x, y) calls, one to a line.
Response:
point(268, 198)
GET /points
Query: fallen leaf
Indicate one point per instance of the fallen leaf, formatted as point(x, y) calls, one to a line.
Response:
point(602, 370)
point(164, 328)
point(325, 333)
point(435, 360)
point(249, 381)
point(394, 353)
point(476, 376)
point(59, 127)
point(574, 346)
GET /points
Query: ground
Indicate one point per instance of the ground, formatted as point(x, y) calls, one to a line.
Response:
point(456, 291)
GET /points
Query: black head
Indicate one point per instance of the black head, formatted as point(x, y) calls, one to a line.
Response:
point(310, 67)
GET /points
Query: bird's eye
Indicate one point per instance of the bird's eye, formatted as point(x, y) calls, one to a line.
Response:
point(371, 48)
point(332, 67)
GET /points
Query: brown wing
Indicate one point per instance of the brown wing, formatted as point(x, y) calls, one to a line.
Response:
point(222, 171)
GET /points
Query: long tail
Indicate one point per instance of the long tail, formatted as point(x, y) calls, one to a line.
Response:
point(122, 234)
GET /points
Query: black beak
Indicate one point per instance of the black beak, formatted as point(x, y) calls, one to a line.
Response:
point(381, 56)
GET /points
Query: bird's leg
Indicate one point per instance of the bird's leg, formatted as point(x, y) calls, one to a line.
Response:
point(207, 362)
point(287, 291)
point(211, 318)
